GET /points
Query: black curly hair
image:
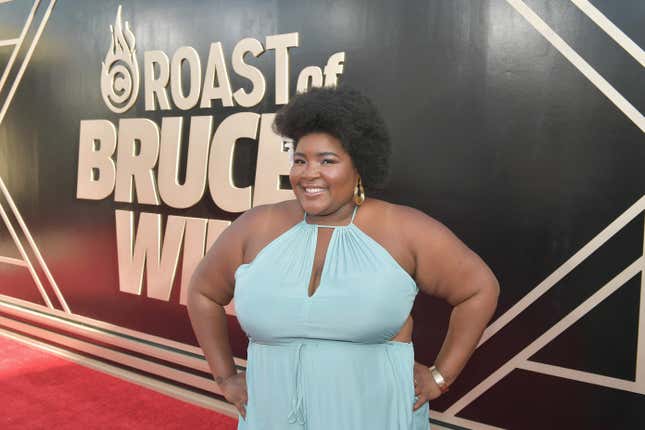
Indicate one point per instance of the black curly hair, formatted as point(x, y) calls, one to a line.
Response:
point(350, 117)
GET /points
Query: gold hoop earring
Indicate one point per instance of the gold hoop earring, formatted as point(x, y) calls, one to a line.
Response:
point(359, 192)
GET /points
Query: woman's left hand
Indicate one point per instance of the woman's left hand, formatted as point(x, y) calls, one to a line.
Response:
point(424, 385)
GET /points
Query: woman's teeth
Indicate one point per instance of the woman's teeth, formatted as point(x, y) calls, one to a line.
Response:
point(314, 190)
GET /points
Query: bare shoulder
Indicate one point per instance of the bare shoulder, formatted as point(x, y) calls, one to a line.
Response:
point(259, 225)
point(408, 216)
point(422, 241)
point(422, 229)
point(236, 245)
point(276, 216)
point(261, 217)
point(442, 260)
point(405, 221)
point(395, 228)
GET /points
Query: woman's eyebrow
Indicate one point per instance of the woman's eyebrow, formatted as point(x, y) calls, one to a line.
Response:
point(318, 154)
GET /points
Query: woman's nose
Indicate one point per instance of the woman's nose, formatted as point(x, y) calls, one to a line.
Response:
point(311, 170)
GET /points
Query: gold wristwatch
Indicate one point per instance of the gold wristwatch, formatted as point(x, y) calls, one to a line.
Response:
point(438, 378)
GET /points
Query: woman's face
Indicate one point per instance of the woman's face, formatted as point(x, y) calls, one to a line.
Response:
point(323, 175)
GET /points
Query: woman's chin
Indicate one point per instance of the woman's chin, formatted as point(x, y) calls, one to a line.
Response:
point(313, 205)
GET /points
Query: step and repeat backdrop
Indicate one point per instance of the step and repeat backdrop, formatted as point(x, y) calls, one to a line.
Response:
point(132, 133)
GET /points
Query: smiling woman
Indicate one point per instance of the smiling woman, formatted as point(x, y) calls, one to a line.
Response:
point(321, 176)
point(324, 285)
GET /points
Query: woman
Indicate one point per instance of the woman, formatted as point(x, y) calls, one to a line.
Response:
point(324, 285)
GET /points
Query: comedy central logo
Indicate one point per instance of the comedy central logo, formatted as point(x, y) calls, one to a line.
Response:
point(120, 71)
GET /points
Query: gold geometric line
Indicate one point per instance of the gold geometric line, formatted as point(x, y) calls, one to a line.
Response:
point(25, 257)
point(581, 376)
point(463, 422)
point(14, 54)
point(581, 310)
point(152, 367)
point(34, 247)
point(612, 30)
point(573, 262)
point(26, 60)
point(14, 261)
point(29, 310)
point(124, 374)
point(579, 63)
point(103, 336)
point(12, 90)
point(9, 42)
point(640, 348)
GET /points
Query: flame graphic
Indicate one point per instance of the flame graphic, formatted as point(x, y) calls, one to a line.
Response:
point(120, 71)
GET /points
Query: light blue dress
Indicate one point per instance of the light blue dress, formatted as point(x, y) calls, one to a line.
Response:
point(326, 362)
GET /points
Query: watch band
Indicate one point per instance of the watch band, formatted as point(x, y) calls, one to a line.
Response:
point(438, 378)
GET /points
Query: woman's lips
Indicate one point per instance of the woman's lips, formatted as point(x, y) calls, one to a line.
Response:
point(313, 191)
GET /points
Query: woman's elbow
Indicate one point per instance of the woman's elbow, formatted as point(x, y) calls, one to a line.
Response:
point(194, 291)
point(489, 291)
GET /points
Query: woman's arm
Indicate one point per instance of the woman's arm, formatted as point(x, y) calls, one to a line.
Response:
point(208, 319)
point(211, 288)
point(448, 269)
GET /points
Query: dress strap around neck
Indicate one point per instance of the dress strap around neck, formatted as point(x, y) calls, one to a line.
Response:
point(354, 214)
point(304, 218)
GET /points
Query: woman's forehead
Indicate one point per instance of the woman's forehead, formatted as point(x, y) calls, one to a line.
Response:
point(319, 144)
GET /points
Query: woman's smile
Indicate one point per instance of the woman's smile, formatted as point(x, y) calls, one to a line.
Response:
point(313, 191)
point(323, 177)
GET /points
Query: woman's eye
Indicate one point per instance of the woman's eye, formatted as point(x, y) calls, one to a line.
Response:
point(324, 161)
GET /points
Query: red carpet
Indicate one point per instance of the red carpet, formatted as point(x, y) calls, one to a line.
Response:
point(42, 391)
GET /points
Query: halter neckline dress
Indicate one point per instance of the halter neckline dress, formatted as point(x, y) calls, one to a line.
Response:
point(325, 361)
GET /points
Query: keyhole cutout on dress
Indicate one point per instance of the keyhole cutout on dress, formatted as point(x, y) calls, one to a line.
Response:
point(323, 238)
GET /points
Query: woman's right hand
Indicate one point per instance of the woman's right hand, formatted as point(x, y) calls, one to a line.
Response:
point(234, 390)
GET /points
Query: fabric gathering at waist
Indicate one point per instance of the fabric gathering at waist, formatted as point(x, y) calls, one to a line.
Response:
point(297, 412)
point(295, 342)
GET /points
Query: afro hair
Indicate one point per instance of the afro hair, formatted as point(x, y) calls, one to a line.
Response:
point(351, 118)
